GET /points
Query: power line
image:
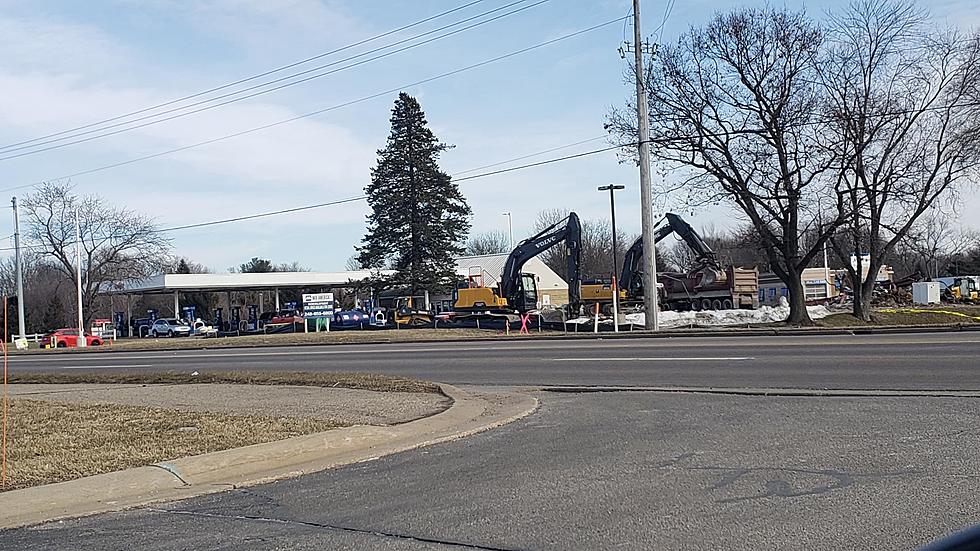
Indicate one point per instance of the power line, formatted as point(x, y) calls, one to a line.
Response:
point(363, 197)
point(253, 77)
point(545, 162)
point(553, 149)
point(324, 110)
point(35, 149)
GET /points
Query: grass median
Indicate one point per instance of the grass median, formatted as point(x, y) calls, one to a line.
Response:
point(53, 442)
point(908, 316)
point(57, 439)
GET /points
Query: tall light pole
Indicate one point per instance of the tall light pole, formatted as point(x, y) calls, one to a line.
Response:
point(650, 291)
point(612, 188)
point(80, 341)
point(19, 267)
point(510, 228)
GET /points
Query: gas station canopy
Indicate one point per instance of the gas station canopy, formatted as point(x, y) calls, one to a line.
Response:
point(169, 283)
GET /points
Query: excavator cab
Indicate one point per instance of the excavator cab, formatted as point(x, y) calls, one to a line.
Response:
point(527, 295)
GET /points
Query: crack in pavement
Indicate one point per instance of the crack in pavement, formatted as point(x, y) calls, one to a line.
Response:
point(331, 527)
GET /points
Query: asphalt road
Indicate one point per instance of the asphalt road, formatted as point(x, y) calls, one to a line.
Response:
point(629, 470)
point(607, 470)
point(948, 361)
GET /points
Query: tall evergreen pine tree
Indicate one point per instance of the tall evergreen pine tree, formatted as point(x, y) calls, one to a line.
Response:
point(419, 218)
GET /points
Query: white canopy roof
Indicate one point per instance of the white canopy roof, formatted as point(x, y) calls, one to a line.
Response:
point(163, 283)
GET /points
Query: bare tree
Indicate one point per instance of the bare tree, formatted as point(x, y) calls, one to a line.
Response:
point(903, 100)
point(117, 244)
point(353, 263)
point(929, 247)
point(493, 242)
point(733, 106)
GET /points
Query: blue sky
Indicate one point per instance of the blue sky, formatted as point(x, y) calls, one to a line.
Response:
point(70, 63)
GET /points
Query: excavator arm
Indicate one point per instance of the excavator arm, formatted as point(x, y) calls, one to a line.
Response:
point(631, 279)
point(567, 231)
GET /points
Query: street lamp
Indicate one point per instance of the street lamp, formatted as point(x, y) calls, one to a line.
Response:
point(510, 228)
point(612, 188)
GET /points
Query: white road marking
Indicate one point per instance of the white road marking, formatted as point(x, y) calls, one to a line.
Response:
point(490, 346)
point(104, 366)
point(658, 359)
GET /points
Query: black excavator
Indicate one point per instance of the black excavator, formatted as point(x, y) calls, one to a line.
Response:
point(706, 286)
point(518, 291)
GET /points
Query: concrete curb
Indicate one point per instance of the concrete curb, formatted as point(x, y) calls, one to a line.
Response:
point(638, 334)
point(256, 464)
point(776, 392)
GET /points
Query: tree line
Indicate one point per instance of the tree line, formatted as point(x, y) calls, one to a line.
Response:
point(844, 131)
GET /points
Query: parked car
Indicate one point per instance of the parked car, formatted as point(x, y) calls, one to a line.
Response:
point(281, 317)
point(67, 338)
point(170, 327)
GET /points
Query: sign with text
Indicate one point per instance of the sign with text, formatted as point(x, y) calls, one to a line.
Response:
point(318, 305)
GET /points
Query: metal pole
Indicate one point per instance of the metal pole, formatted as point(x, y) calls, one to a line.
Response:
point(615, 245)
point(22, 333)
point(80, 341)
point(510, 228)
point(650, 293)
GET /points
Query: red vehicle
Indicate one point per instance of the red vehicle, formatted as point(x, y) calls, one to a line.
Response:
point(67, 338)
point(281, 317)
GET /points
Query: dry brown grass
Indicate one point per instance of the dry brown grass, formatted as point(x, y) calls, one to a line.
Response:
point(360, 381)
point(52, 442)
point(904, 317)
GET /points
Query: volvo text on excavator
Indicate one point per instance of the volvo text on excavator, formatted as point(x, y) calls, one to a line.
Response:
point(518, 291)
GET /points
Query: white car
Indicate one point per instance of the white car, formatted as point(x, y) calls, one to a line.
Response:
point(170, 327)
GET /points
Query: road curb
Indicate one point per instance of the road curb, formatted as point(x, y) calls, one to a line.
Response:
point(256, 464)
point(773, 392)
point(639, 334)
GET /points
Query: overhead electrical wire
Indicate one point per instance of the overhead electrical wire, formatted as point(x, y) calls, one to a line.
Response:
point(253, 77)
point(324, 110)
point(363, 197)
point(102, 132)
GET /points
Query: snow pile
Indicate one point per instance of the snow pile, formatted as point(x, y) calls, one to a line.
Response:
point(714, 318)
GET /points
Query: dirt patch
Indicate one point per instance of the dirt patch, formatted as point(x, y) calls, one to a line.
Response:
point(52, 442)
point(361, 381)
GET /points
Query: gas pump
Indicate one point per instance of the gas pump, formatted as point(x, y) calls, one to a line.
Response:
point(219, 319)
point(253, 317)
point(119, 320)
point(236, 318)
point(189, 316)
point(290, 306)
point(152, 313)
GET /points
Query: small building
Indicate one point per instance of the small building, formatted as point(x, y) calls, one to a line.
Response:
point(485, 270)
point(819, 284)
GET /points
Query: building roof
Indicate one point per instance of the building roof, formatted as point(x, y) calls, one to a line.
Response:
point(239, 282)
point(492, 265)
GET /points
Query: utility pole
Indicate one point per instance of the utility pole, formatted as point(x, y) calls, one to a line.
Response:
point(80, 341)
point(19, 267)
point(510, 228)
point(612, 188)
point(650, 291)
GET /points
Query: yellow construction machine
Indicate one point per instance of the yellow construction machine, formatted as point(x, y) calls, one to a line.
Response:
point(405, 313)
point(518, 291)
point(963, 289)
